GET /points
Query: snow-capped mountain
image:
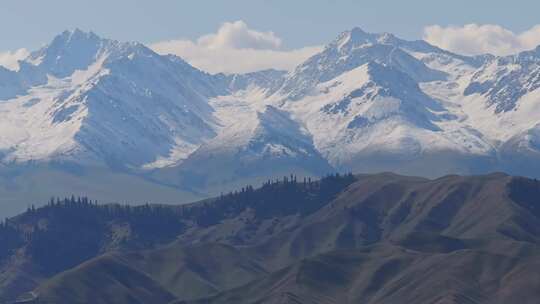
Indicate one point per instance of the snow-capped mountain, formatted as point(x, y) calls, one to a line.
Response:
point(377, 110)
point(349, 51)
point(366, 102)
point(98, 100)
point(504, 99)
point(375, 102)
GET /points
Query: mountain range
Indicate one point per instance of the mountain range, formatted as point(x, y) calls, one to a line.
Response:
point(90, 115)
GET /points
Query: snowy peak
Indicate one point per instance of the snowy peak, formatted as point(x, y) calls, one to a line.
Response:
point(433, 57)
point(76, 50)
point(357, 38)
point(351, 50)
point(97, 100)
point(70, 51)
point(353, 38)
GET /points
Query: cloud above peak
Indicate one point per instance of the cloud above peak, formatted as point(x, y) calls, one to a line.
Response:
point(237, 35)
point(475, 39)
point(236, 48)
point(10, 60)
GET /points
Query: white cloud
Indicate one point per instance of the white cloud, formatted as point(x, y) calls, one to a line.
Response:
point(237, 35)
point(474, 39)
point(10, 59)
point(235, 48)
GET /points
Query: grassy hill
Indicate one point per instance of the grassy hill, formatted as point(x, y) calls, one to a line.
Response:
point(380, 238)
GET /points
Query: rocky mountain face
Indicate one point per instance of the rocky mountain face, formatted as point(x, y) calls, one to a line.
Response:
point(84, 105)
point(504, 81)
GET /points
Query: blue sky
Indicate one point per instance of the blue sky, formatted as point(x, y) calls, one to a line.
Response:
point(30, 23)
point(301, 26)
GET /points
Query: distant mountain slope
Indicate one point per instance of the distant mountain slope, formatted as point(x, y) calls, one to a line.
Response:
point(394, 274)
point(123, 284)
point(24, 185)
point(153, 277)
